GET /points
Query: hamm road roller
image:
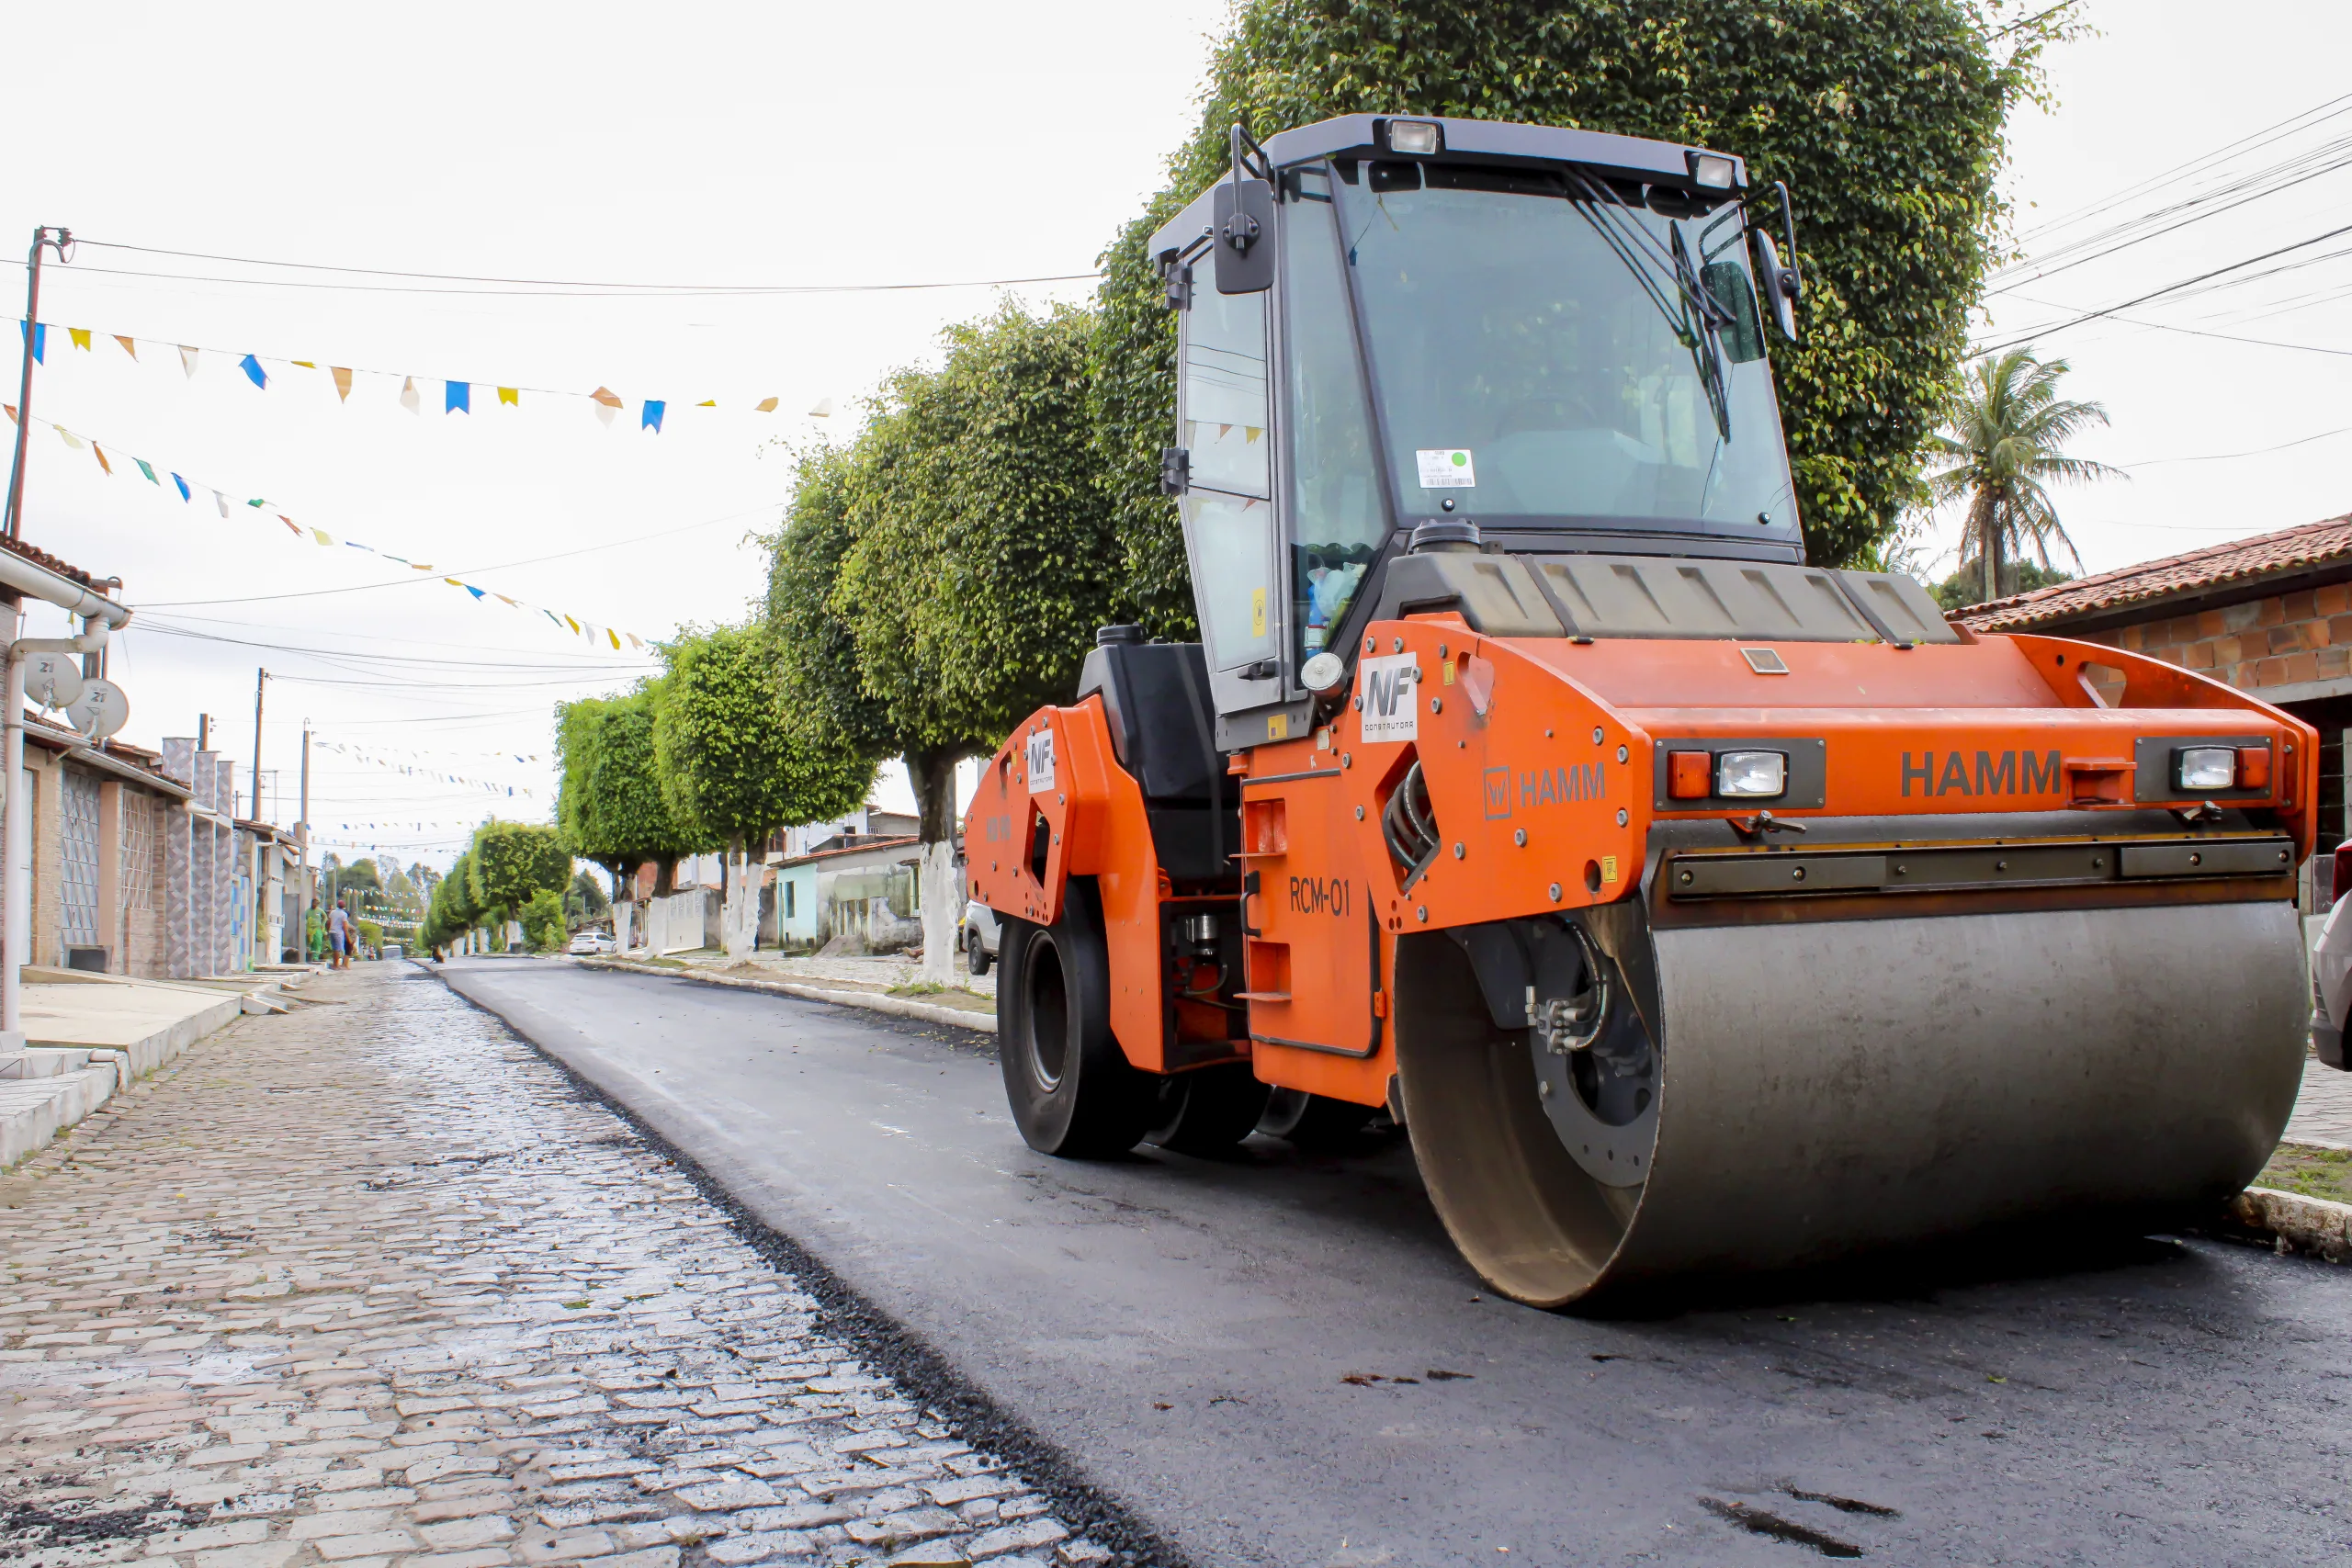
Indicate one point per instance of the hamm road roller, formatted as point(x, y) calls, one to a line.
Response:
point(1694, 908)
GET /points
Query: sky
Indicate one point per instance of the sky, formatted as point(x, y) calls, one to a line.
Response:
point(669, 176)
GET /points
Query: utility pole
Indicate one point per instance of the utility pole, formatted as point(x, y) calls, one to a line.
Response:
point(56, 240)
point(261, 679)
point(204, 732)
point(302, 844)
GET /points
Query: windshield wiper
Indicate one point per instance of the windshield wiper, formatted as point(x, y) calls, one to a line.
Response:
point(1699, 321)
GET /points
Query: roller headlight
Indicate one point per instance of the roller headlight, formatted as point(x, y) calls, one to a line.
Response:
point(1753, 775)
point(2201, 768)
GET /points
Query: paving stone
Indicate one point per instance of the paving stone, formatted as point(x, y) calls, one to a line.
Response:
point(311, 1330)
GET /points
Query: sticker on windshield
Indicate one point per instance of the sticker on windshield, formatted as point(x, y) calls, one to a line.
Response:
point(1448, 469)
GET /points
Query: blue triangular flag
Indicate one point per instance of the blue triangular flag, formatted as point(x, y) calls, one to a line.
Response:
point(651, 418)
point(184, 489)
point(457, 398)
point(470, 589)
point(40, 340)
point(253, 372)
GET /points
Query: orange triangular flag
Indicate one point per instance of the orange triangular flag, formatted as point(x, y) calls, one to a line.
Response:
point(766, 405)
point(604, 395)
point(102, 456)
point(130, 345)
point(342, 382)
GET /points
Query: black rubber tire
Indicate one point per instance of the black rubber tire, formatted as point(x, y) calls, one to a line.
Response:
point(1071, 1091)
point(1314, 1122)
point(1206, 1111)
point(975, 955)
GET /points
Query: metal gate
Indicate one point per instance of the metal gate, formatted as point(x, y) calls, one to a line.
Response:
point(78, 822)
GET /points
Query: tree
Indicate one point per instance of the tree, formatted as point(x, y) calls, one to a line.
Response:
point(450, 913)
point(585, 901)
point(733, 763)
point(2002, 449)
point(1964, 588)
point(361, 873)
point(609, 800)
point(1885, 117)
point(509, 861)
point(542, 920)
point(960, 555)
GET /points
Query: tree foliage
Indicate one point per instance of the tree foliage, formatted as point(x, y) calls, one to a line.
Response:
point(542, 918)
point(731, 760)
point(1885, 117)
point(609, 800)
point(509, 861)
point(2004, 447)
point(450, 912)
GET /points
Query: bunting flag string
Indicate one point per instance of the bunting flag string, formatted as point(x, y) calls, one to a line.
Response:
point(457, 396)
point(434, 775)
point(597, 635)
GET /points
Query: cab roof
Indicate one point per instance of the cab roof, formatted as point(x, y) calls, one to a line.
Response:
point(1487, 141)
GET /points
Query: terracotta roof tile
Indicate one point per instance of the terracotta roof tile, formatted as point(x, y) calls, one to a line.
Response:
point(2174, 575)
point(42, 558)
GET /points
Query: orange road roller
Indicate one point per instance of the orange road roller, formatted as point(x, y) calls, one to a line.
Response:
point(1694, 908)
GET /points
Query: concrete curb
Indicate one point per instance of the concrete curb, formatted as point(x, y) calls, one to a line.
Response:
point(899, 1007)
point(2292, 1223)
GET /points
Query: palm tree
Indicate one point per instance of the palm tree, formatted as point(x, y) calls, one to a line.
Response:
point(2004, 440)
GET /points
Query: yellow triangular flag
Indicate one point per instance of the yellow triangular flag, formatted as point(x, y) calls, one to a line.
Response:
point(572, 623)
point(766, 405)
point(323, 536)
point(707, 403)
point(81, 336)
point(71, 439)
point(510, 395)
point(305, 364)
point(453, 583)
point(342, 382)
point(609, 632)
point(1249, 433)
point(130, 345)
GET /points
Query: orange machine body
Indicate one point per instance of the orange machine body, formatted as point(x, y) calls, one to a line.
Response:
point(1547, 764)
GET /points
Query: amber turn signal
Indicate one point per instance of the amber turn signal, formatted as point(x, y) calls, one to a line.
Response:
point(2253, 767)
point(1689, 776)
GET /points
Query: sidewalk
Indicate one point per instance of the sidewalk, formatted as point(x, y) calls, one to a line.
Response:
point(885, 984)
point(372, 1285)
point(2324, 1108)
point(90, 1036)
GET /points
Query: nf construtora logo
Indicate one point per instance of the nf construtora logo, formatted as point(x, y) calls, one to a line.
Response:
point(1384, 687)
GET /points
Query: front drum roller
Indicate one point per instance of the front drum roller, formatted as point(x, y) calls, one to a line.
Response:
point(1820, 1088)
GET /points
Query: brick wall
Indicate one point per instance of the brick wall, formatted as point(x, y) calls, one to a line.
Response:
point(2279, 641)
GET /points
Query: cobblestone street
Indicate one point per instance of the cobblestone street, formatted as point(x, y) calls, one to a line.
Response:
point(372, 1285)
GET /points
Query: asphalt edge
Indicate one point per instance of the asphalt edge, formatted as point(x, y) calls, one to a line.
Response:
point(902, 1007)
point(883, 1341)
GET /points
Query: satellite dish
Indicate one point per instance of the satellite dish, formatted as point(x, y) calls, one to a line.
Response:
point(53, 680)
point(100, 710)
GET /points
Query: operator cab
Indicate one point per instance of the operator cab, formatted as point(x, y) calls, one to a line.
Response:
point(1555, 335)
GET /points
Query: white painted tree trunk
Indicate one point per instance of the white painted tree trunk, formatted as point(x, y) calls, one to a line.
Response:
point(622, 909)
point(942, 902)
point(740, 916)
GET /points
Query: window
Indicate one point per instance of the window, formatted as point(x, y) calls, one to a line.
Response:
point(1336, 521)
point(788, 899)
point(1229, 517)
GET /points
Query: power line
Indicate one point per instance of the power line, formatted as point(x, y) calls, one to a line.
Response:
point(2224, 456)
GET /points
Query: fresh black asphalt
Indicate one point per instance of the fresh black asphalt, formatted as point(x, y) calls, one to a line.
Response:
point(1278, 1358)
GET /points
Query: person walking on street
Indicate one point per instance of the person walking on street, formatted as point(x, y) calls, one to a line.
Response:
point(339, 936)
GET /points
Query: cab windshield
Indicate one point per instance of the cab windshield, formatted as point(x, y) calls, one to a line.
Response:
point(1538, 365)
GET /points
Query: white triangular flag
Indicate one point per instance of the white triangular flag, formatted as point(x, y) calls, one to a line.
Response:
point(824, 408)
point(222, 501)
point(605, 416)
point(187, 359)
point(409, 397)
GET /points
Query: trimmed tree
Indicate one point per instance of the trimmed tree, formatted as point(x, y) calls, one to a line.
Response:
point(1885, 117)
point(734, 765)
point(512, 861)
point(961, 554)
point(609, 800)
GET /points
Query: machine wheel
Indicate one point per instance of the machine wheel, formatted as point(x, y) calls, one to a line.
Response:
point(975, 955)
point(1206, 1111)
point(1314, 1122)
point(1071, 1091)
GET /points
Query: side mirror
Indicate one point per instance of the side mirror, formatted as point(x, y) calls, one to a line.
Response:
point(1245, 236)
point(1778, 284)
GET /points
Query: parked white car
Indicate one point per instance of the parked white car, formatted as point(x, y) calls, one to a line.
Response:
point(980, 936)
point(589, 943)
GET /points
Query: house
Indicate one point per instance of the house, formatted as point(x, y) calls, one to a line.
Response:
point(868, 822)
point(2271, 616)
point(868, 890)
